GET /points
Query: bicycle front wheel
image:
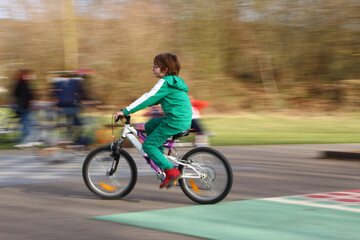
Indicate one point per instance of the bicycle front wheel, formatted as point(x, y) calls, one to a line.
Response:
point(208, 177)
point(96, 175)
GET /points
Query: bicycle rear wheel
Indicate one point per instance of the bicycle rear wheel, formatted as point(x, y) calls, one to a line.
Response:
point(216, 176)
point(96, 176)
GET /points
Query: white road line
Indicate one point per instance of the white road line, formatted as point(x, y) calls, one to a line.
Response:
point(305, 203)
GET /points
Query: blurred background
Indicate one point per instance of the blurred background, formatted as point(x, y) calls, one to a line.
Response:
point(237, 55)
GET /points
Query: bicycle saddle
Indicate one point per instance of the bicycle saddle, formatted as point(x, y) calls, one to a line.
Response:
point(181, 134)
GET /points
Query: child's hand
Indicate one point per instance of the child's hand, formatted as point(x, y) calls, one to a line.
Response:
point(119, 115)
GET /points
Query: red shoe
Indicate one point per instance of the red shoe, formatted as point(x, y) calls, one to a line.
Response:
point(172, 175)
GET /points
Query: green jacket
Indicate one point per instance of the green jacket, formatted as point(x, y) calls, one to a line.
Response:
point(171, 93)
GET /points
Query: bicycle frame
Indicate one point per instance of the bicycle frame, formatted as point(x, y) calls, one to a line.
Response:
point(130, 132)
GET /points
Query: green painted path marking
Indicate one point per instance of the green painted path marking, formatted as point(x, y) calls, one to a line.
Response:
point(251, 219)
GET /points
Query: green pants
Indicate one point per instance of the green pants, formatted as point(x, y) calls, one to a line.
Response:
point(158, 131)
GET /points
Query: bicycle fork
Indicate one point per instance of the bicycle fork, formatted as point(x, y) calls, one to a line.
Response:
point(115, 147)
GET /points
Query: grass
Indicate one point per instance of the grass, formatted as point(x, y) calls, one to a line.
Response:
point(264, 129)
point(256, 129)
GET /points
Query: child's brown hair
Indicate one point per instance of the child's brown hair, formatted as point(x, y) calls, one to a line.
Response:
point(169, 61)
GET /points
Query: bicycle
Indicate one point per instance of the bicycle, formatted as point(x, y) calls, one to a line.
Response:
point(55, 133)
point(111, 173)
point(49, 139)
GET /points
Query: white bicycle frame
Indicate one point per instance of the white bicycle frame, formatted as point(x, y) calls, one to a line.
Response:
point(130, 132)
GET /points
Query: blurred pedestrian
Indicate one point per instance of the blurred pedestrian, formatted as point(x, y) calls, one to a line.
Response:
point(68, 91)
point(23, 95)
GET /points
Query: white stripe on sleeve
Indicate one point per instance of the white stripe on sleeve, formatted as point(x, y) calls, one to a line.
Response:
point(146, 96)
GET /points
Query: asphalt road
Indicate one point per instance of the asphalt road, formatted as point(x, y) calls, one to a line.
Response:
point(40, 200)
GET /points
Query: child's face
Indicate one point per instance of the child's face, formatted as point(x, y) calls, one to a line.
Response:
point(157, 72)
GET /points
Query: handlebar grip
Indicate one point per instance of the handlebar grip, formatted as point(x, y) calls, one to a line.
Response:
point(117, 119)
point(121, 117)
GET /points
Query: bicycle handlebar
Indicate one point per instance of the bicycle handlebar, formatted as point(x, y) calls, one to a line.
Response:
point(120, 117)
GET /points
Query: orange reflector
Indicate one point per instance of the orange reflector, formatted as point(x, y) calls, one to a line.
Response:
point(107, 187)
point(175, 182)
point(192, 183)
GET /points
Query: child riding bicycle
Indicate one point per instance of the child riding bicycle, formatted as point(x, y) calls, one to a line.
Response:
point(171, 93)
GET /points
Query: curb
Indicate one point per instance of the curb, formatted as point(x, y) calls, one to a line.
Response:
point(341, 155)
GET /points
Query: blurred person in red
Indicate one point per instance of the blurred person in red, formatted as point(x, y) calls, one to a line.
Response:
point(197, 106)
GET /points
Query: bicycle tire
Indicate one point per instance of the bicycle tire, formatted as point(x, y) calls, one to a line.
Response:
point(217, 176)
point(95, 168)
